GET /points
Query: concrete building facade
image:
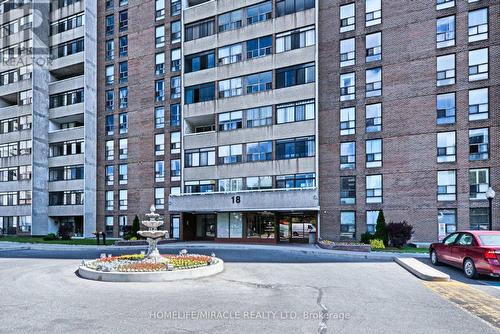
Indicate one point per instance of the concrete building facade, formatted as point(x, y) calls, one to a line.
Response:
point(257, 121)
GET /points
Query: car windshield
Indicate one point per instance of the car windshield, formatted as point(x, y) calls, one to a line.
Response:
point(490, 240)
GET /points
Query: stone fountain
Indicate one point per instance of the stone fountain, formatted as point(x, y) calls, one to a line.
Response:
point(153, 235)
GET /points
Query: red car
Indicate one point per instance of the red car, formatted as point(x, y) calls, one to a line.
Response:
point(476, 252)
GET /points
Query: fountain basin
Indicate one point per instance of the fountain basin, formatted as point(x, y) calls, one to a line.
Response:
point(152, 234)
point(157, 276)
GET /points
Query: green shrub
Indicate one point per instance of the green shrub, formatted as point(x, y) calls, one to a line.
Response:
point(136, 226)
point(366, 238)
point(377, 244)
point(381, 229)
point(133, 238)
point(51, 237)
point(65, 231)
point(399, 233)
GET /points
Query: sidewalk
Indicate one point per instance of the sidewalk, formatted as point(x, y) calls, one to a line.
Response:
point(294, 248)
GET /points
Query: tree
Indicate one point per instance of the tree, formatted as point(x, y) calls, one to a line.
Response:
point(381, 228)
point(399, 233)
point(136, 226)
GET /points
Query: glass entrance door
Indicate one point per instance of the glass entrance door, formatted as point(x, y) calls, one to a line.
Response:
point(206, 226)
point(296, 227)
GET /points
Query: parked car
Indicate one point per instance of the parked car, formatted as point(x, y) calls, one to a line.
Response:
point(475, 252)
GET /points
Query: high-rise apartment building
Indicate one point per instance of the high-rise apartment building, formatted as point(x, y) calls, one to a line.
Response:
point(47, 116)
point(252, 121)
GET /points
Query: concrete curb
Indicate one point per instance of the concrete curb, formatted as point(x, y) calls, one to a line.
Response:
point(162, 276)
point(422, 270)
point(14, 248)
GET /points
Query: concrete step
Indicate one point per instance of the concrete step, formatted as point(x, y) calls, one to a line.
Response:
point(421, 270)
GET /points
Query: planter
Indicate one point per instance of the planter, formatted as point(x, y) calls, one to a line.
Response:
point(345, 247)
point(127, 243)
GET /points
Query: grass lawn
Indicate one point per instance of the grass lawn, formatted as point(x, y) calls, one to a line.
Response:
point(405, 249)
point(39, 240)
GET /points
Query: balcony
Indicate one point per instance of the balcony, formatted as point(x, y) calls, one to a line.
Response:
point(268, 200)
point(65, 210)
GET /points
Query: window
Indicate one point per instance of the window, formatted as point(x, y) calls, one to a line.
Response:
point(259, 182)
point(175, 60)
point(295, 112)
point(159, 144)
point(110, 127)
point(193, 187)
point(123, 97)
point(230, 121)
point(110, 25)
point(479, 218)
point(295, 39)
point(447, 185)
point(374, 189)
point(285, 7)
point(159, 171)
point(295, 148)
point(296, 181)
point(478, 64)
point(175, 142)
point(347, 224)
point(159, 9)
point(445, 31)
point(479, 182)
point(25, 97)
point(123, 45)
point(66, 98)
point(259, 82)
point(110, 50)
point(374, 153)
point(123, 148)
point(230, 185)
point(445, 70)
point(200, 93)
point(373, 47)
point(347, 17)
point(175, 115)
point(259, 13)
point(259, 151)
point(442, 4)
point(175, 7)
point(348, 190)
point(109, 201)
point(160, 63)
point(230, 87)
point(230, 54)
point(478, 25)
point(262, 116)
point(123, 20)
point(447, 222)
point(445, 105)
point(123, 199)
point(373, 117)
point(230, 154)
point(122, 174)
point(199, 29)
point(123, 67)
point(347, 52)
point(110, 74)
point(347, 86)
point(110, 150)
point(175, 191)
point(478, 104)
point(160, 90)
point(200, 61)
point(478, 144)
point(175, 32)
point(371, 221)
point(259, 47)
point(160, 198)
point(109, 226)
point(230, 21)
point(175, 170)
point(160, 36)
point(295, 75)
point(110, 178)
point(374, 82)
point(175, 87)
point(110, 4)
point(347, 155)
point(199, 157)
point(373, 12)
point(123, 120)
point(446, 147)
point(347, 121)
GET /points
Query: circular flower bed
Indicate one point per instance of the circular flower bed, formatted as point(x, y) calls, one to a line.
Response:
point(138, 263)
